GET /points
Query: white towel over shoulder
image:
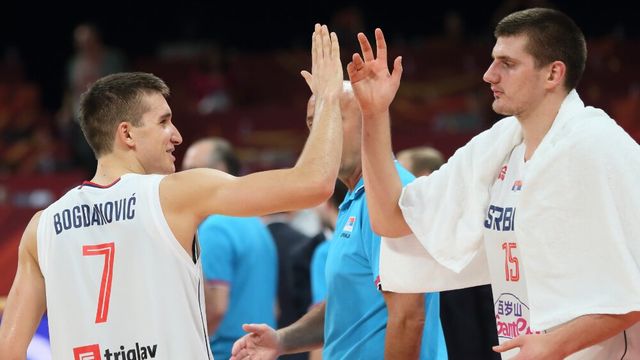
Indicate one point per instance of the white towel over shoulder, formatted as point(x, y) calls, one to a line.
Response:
point(578, 221)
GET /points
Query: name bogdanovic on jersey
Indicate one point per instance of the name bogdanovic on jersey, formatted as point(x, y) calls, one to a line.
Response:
point(119, 286)
point(99, 214)
point(137, 352)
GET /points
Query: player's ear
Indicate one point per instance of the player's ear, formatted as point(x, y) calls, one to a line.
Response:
point(124, 133)
point(556, 74)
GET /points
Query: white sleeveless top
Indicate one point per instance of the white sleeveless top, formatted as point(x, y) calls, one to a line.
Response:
point(118, 283)
point(508, 279)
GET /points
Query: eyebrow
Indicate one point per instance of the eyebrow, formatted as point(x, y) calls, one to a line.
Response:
point(504, 58)
point(166, 115)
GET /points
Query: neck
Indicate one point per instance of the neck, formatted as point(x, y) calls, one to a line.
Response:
point(112, 166)
point(537, 123)
point(351, 178)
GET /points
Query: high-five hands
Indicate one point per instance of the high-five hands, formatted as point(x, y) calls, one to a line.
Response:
point(373, 85)
point(326, 74)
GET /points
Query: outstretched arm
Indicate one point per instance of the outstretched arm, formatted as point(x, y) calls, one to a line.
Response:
point(374, 88)
point(307, 184)
point(264, 343)
point(571, 337)
point(26, 301)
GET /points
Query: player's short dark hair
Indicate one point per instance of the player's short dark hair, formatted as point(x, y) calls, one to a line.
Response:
point(552, 36)
point(111, 100)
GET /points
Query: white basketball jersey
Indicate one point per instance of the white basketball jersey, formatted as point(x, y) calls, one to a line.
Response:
point(508, 278)
point(118, 283)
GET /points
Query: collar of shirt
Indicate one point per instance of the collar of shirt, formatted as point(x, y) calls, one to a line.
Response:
point(353, 194)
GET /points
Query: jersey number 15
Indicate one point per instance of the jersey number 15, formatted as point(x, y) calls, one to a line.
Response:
point(511, 264)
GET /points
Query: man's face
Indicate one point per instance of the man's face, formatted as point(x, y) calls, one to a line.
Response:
point(351, 132)
point(201, 155)
point(405, 160)
point(156, 138)
point(517, 85)
point(197, 156)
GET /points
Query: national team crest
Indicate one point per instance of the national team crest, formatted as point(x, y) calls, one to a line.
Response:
point(517, 185)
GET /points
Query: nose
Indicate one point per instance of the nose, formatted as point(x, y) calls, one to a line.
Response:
point(176, 138)
point(490, 76)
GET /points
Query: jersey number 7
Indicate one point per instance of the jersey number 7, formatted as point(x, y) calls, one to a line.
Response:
point(108, 251)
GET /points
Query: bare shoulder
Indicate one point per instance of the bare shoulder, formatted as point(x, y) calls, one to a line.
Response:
point(30, 236)
point(192, 180)
point(193, 191)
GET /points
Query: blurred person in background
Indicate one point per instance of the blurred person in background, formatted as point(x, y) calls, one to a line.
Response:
point(239, 259)
point(420, 161)
point(91, 60)
point(294, 284)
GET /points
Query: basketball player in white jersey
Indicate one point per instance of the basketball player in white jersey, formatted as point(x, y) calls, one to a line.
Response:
point(540, 205)
point(114, 261)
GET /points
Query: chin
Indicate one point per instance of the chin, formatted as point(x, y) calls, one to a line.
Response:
point(166, 170)
point(498, 109)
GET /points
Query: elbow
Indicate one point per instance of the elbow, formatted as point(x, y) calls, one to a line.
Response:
point(379, 228)
point(326, 189)
point(378, 220)
point(388, 220)
point(214, 318)
point(320, 190)
point(408, 316)
point(409, 321)
point(382, 228)
point(406, 311)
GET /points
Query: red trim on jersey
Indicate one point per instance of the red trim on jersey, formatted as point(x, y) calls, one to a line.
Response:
point(92, 184)
point(217, 282)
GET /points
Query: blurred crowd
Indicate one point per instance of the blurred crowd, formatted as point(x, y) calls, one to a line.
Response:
point(250, 98)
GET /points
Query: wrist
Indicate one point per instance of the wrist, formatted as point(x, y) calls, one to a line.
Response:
point(329, 95)
point(560, 345)
point(281, 342)
point(375, 114)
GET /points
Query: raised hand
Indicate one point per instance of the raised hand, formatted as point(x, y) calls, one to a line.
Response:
point(326, 74)
point(260, 344)
point(373, 85)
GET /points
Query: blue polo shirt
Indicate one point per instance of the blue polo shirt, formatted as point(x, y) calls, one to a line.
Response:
point(356, 314)
point(318, 281)
point(241, 253)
